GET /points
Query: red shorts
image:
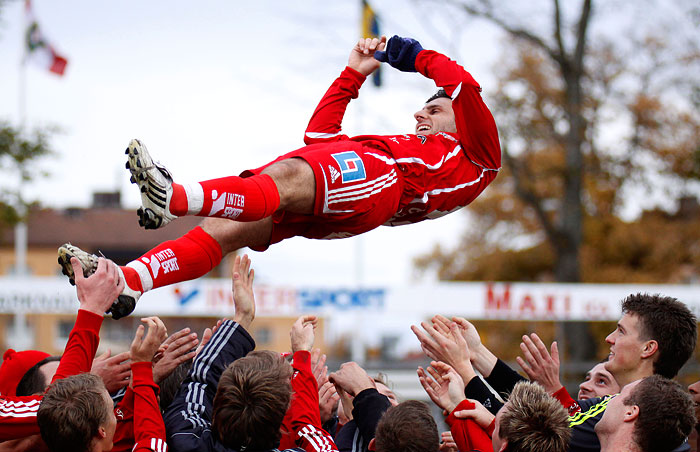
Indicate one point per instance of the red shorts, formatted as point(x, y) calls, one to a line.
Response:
point(355, 192)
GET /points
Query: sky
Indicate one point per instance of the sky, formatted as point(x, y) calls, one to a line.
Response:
point(216, 87)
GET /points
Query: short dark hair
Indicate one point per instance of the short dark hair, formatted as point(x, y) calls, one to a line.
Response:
point(407, 427)
point(251, 400)
point(71, 413)
point(440, 93)
point(534, 421)
point(33, 381)
point(666, 414)
point(670, 323)
point(172, 383)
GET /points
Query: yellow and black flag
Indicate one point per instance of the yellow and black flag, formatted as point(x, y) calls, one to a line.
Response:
point(370, 29)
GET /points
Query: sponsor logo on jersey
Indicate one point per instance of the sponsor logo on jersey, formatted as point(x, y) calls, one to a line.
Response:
point(164, 260)
point(231, 203)
point(351, 166)
point(423, 138)
point(334, 173)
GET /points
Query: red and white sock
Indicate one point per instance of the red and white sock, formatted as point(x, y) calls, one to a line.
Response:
point(189, 257)
point(237, 198)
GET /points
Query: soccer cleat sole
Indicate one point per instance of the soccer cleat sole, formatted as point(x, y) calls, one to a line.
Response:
point(87, 261)
point(121, 308)
point(153, 196)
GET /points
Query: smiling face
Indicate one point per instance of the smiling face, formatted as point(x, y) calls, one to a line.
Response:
point(436, 116)
point(598, 383)
point(626, 348)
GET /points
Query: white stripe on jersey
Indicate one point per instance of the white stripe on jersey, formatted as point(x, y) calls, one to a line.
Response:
point(356, 441)
point(322, 134)
point(419, 161)
point(456, 92)
point(316, 438)
point(359, 186)
point(438, 191)
point(360, 189)
point(383, 158)
point(19, 409)
point(194, 397)
point(374, 190)
point(435, 166)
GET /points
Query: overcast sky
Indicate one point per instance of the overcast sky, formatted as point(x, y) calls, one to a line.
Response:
point(215, 87)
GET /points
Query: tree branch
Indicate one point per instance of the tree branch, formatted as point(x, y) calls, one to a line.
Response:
point(516, 32)
point(528, 196)
point(557, 28)
point(582, 28)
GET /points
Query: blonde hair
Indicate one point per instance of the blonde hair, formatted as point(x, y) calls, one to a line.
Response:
point(534, 421)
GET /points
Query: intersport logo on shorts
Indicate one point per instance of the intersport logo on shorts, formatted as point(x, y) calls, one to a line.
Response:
point(351, 167)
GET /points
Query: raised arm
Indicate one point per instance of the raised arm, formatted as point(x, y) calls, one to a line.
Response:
point(326, 122)
point(96, 294)
point(303, 415)
point(149, 429)
point(445, 387)
point(475, 125)
point(190, 412)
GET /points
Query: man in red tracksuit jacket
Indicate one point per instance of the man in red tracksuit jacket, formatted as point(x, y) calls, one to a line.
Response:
point(335, 187)
point(95, 294)
point(77, 412)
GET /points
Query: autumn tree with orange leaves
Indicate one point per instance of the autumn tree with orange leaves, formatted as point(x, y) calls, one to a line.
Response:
point(597, 108)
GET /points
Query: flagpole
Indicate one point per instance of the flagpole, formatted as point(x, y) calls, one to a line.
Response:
point(21, 227)
point(22, 336)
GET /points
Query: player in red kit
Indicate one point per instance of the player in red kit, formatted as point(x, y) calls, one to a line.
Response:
point(334, 187)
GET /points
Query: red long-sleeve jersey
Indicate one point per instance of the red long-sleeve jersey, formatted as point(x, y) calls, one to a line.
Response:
point(440, 173)
point(467, 434)
point(303, 419)
point(18, 414)
point(149, 429)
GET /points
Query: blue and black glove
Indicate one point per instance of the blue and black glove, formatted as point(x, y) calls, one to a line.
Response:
point(401, 53)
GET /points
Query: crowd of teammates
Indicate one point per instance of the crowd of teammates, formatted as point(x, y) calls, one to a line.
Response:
point(180, 393)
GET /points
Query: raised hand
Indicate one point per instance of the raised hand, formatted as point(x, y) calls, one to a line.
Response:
point(302, 333)
point(351, 378)
point(114, 370)
point(327, 400)
point(481, 357)
point(362, 55)
point(447, 443)
point(176, 349)
point(400, 53)
point(318, 367)
point(479, 413)
point(446, 344)
point(445, 388)
point(206, 335)
point(98, 291)
point(144, 348)
point(539, 364)
point(243, 296)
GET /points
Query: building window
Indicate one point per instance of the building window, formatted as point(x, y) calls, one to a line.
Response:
point(263, 336)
